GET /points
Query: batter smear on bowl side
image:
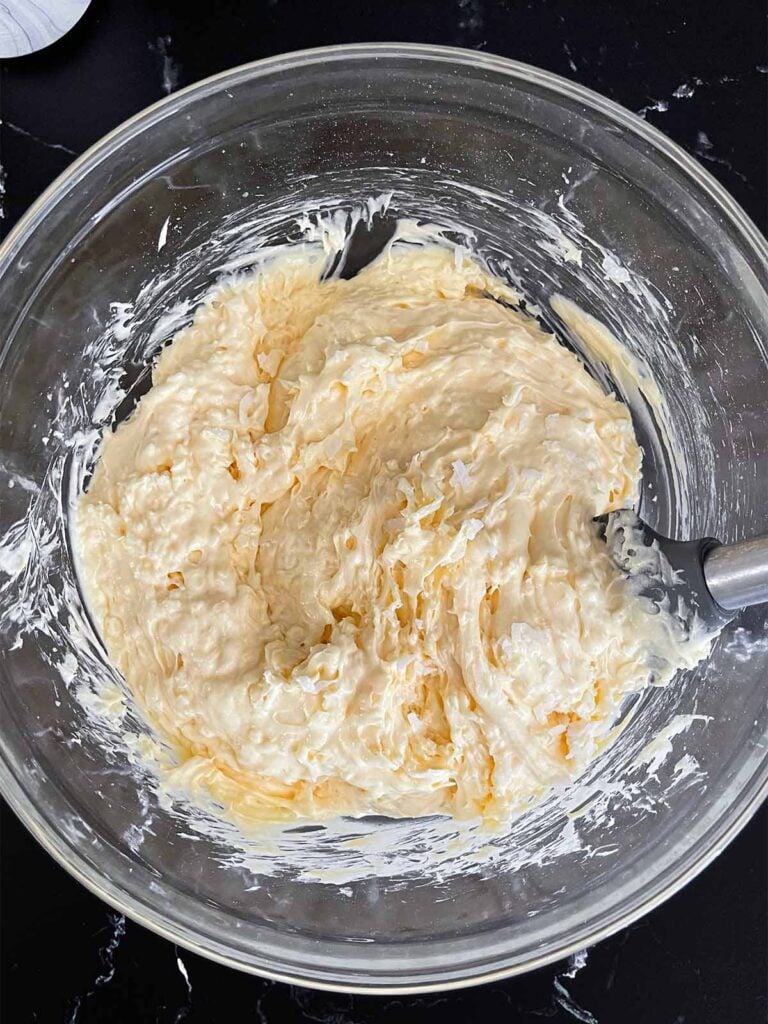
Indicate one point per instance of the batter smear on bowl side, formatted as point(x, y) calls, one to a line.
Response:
point(343, 550)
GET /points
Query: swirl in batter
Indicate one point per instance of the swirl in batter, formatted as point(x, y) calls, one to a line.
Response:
point(343, 550)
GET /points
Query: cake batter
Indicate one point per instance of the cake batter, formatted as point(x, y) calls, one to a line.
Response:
point(343, 550)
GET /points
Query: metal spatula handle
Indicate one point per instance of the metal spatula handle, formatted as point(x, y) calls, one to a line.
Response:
point(737, 574)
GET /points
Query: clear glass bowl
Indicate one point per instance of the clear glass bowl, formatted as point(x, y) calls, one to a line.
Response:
point(532, 166)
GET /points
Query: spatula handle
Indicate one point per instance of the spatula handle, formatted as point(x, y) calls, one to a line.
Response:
point(737, 574)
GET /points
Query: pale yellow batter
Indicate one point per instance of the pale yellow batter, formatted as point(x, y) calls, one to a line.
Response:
point(343, 551)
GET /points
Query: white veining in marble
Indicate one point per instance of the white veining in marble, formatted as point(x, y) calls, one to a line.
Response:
point(703, 150)
point(183, 1012)
point(18, 130)
point(115, 931)
point(30, 25)
point(563, 999)
point(169, 68)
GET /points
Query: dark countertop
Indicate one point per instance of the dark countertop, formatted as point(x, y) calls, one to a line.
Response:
point(701, 958)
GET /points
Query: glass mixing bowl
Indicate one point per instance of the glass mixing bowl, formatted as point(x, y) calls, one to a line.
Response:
point(563, 192)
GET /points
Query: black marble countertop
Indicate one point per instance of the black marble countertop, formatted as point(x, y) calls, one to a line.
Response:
point(696, 68)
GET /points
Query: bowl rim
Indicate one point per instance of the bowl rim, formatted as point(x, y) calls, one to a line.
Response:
point(751, 795)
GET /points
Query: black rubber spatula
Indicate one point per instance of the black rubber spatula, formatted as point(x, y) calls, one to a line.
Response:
point(715, 580)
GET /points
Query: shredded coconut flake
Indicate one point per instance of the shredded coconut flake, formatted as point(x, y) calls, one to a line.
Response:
point(308, 684)
point(460, 478)
point(471, 528)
